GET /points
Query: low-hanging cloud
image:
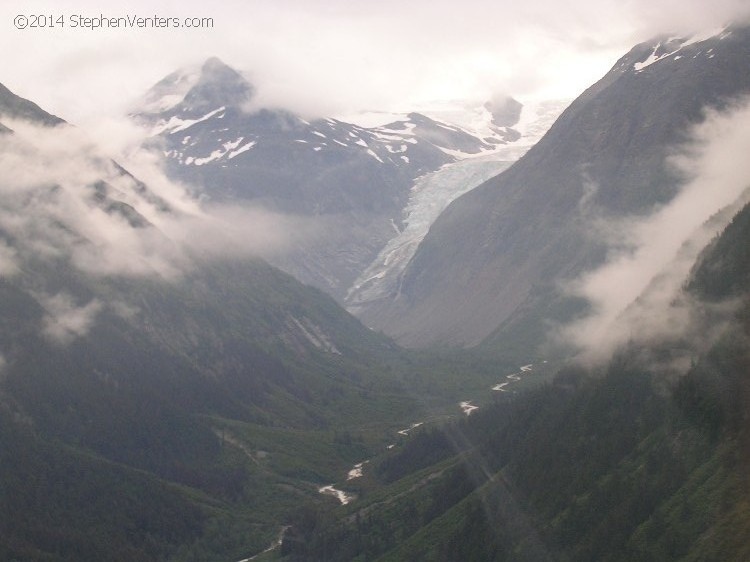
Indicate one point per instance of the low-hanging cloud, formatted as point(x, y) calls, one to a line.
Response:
point(637, 295)
point(63, 200)
point(62, 197)
point(54, 204)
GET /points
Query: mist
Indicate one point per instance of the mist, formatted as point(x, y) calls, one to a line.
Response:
point(638, 295)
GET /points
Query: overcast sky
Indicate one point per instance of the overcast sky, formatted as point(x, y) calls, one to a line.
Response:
point(331, 57)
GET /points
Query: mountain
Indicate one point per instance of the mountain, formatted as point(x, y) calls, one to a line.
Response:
point(16, 107)
point(164, 393)
point(491, 266)
point(353, 182)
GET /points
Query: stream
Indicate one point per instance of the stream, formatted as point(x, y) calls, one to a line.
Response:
point(356, 472)
point(273, 546)
point(466, 407)
point(340, 495)
point(513, 377)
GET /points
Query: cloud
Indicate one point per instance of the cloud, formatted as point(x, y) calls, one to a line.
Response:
point(637, 295)
point(341, 56)
point(63, 197)
point(54, 204)
point(63, 200)
point(64, 320)
point(8, 260)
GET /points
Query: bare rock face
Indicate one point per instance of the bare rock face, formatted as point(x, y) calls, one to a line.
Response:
point(505, 110)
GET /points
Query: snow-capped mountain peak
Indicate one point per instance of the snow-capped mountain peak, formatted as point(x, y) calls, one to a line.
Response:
point(358, 179)
point(673, 48)
point(195, 91)
point(169, 91)
point(218, 85)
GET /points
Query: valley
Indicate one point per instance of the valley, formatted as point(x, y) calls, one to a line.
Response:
point(233, 328)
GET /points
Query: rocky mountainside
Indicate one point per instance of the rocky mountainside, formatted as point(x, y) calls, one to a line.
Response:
point(494, 261)
point(16, 107)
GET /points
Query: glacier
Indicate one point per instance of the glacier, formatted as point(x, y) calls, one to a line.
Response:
point(433, 192)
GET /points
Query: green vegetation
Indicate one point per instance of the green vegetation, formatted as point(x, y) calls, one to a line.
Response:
point(203, 424)
point(193, 425)
point(614, 464)
point(613, 470)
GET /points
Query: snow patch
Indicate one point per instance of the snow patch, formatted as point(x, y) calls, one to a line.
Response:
point(720, 32)
point(215, 155)
point(167, 96)
point(681, 43)
point(242, 149)
point(401, 148)
point(228, 148)
point(231, 145)
point(176, 125)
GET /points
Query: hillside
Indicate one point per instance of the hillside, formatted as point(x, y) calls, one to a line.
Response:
point(628, 461)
